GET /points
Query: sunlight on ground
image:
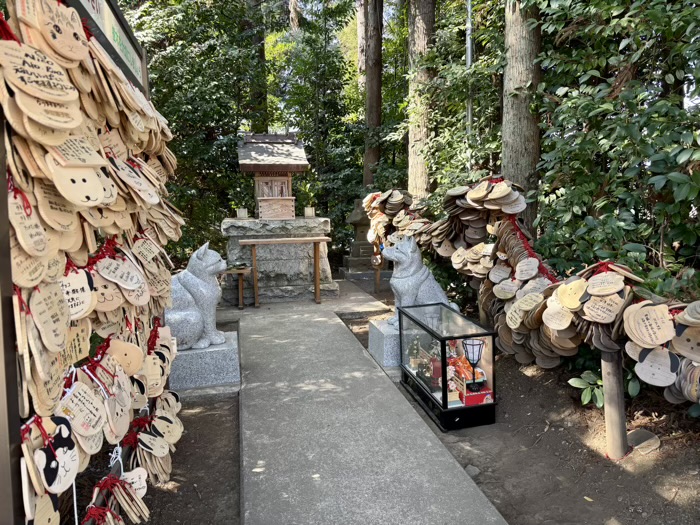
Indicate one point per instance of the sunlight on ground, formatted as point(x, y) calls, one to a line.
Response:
point(356, 375)
point(532, 372)
point(318, 386)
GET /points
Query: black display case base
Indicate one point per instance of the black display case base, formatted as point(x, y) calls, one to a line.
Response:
point(451, 418)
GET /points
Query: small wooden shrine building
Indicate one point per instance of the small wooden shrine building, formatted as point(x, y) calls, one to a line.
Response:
point(273, 159)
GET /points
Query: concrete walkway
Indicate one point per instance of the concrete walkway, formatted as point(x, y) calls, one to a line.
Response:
point(327, 439)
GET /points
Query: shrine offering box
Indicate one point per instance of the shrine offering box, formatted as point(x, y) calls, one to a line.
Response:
point(440, 350)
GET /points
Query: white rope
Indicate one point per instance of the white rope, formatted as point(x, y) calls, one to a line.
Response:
point(97, 382)
point(116, 457)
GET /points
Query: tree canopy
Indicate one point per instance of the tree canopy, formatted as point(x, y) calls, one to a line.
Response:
point(619, 171)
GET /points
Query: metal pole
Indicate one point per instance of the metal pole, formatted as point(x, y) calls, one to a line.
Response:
point(469, 65)
point(10, 452)
point(615, 421)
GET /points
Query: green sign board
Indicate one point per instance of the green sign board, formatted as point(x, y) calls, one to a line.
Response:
point(106, 22)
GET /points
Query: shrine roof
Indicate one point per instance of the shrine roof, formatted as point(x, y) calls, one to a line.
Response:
point(258, 152)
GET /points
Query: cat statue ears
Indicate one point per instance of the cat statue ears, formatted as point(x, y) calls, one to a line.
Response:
point(58, 461)
point(201, 252)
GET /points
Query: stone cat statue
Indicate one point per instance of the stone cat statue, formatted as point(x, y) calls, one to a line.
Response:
point(411, 281)
point(196, 293)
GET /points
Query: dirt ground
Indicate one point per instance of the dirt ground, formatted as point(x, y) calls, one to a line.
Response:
point(205, 482)
point(543, 462)
point(206, 466)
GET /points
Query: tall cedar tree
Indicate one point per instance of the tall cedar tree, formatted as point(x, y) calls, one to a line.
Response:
point(373, 97)
point(421, 30)
point(361, 42)
point(521, 135)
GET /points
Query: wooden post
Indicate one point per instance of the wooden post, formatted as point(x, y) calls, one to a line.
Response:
point(241, 277)
point(254, 253)
point(614, 390)
point(317, 272)
point(377, 279)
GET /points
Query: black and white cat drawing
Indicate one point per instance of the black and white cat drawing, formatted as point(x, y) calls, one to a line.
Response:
point(58, 461)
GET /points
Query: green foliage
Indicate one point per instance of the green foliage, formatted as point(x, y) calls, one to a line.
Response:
point(591, 386)
point(394, 164)
point(457, 144)
point(588, 362)
point(450, 280)
point(620, 163)
point(457, 152)
point(200, 58)
point(620, 151)
point(202, 62)
point(313, 82)
point(633, 385)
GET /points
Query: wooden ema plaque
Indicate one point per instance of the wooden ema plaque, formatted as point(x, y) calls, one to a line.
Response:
point(276, 207)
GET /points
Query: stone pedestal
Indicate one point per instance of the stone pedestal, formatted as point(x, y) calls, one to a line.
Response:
point(217, 365)
point(285, 271)
point(384, 345)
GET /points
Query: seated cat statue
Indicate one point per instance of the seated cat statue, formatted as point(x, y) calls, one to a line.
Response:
point(411, 281)
point(196, 293)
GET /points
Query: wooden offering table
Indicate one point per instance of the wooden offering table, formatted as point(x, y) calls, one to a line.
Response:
point(253, 243)
point(241, 273)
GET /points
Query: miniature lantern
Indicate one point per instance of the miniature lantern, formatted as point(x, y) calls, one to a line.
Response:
point(273, 159)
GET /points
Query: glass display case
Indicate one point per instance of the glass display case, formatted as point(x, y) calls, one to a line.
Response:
point(447, 364)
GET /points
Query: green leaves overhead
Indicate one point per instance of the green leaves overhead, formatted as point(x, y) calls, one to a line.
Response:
point(617, 105)
point(204, 62)
point(458, 143)
point(620, 170)
point(201, 68)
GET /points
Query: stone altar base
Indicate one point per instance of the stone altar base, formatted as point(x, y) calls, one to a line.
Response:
point(285, 271)
point(384, 345)
point(214, 366)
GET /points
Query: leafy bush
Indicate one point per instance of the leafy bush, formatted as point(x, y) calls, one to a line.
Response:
point(591, 386)
point(620, 150)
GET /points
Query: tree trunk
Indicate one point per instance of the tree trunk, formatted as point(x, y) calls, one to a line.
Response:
point(521, 135)
point(421, 29)
point(258, 88)
point(361, 42)
point(373, 97)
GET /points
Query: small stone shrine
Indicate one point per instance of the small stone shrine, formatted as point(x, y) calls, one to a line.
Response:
point(285, 271)
point(273, 159)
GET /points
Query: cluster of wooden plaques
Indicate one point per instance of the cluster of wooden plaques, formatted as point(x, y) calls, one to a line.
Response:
point(87, 163)
point(539, 318)
point(383, 209)
point(461, 235)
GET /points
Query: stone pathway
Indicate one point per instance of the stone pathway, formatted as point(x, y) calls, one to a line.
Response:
point(327, 439)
